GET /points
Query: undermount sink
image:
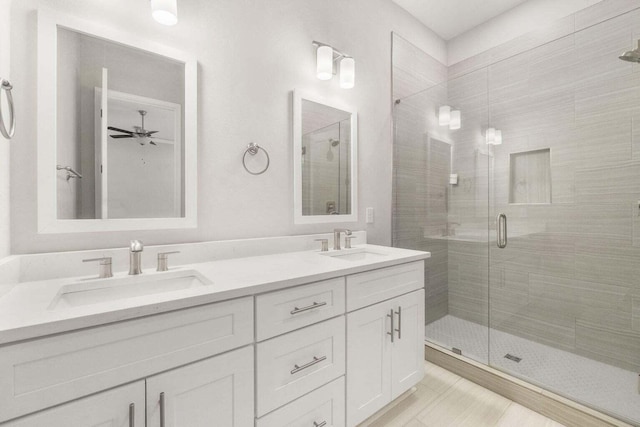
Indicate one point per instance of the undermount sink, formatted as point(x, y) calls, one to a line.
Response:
point(356, 254)
point(112, 289)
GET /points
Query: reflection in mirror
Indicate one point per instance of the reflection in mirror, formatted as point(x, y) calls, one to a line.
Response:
point(326, 141)
point(324, 161)
point(117, 129)
point(130, 154)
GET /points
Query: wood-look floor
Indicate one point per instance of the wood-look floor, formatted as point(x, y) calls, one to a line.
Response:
point(445, 399)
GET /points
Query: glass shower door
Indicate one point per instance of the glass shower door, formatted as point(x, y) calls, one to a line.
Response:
point(563, 291)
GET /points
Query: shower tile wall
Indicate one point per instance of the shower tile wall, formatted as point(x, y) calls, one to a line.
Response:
point(420, 192)
point(569, 277)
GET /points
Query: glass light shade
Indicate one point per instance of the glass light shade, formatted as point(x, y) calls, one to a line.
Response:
point(498, 139)
point(490, 136)
point(165, 11)
point(347, 73)
point(456, 120)
point(324, 62)
point(444, 115)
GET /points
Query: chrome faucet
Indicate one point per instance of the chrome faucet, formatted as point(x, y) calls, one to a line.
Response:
point(336, 237)
point(135, 257)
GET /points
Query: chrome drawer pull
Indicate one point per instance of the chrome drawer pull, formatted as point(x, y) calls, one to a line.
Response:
point(132, 415)
point(322, 424)
point(297, 310)
point(315, 361)
point(392, 333)
point(162, 409)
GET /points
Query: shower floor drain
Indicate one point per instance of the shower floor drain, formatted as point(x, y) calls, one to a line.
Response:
point(512, 357)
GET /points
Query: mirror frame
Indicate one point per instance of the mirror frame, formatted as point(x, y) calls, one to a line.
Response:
point(48, 222)
point(298, 218)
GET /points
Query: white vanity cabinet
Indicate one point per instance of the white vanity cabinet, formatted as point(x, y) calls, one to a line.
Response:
point(44, 372)
point(385, 353)
point(328, 353)
point(122, 407)
point(215, 391)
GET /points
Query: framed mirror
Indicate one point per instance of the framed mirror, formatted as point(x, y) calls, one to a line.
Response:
point(325, 147)
point(116, 149)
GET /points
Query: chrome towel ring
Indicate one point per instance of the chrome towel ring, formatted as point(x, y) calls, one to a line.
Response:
point(6, 86)
point(253, 149)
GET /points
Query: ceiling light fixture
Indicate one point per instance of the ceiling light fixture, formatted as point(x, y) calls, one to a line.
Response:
point(326, 57)
point(165, 11)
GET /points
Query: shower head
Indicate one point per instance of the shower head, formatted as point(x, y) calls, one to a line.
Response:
point(334, 142)
point(631, 55)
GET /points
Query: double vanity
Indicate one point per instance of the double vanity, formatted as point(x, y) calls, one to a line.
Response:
point(309, 338)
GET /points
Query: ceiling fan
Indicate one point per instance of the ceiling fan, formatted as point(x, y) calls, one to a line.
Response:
point(139, 132)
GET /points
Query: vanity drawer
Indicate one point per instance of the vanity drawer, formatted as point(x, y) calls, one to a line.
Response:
point(371, 287)
point(44, 372)
point(289, 309)
point(325, 404)
point(296, 363)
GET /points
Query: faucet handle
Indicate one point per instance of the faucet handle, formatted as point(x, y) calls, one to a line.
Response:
point(347, 241)
point(324, 243)
point(136, 246)
point(163, 260)
point(105, 266)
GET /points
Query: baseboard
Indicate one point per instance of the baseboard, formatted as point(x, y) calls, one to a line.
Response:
point(551, 405)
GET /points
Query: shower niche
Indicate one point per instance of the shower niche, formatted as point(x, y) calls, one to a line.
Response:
point(530, 177)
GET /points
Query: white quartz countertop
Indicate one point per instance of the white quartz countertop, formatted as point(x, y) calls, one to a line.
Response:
point(26, 310)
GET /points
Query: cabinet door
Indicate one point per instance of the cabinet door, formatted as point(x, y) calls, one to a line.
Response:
point(213, 392)
point(118, 407)
point(407, 356)
point(368, 361)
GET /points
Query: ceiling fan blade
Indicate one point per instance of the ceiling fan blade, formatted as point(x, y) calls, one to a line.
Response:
point(121, 136)
point(120, 130)
point(152, 132)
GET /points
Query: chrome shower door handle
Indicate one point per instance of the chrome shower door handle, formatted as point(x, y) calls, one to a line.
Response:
point(501, 229)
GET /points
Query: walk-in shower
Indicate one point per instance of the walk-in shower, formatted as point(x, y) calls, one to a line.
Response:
point(555, 299)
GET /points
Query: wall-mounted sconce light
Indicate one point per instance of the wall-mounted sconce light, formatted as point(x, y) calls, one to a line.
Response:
point(326, 57)
point(444, 115)
point(347, 73)
point(165, 11)
point(324, 62)
point(456, 120)
point(493, 136)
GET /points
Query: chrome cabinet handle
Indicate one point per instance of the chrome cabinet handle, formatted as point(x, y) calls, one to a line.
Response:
point(297, 310)
point(392, 333)
point(132, 415)
point(399, 330)
point(501, 229)
point(322, 424)
point(162, 409)
point(315, 361)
